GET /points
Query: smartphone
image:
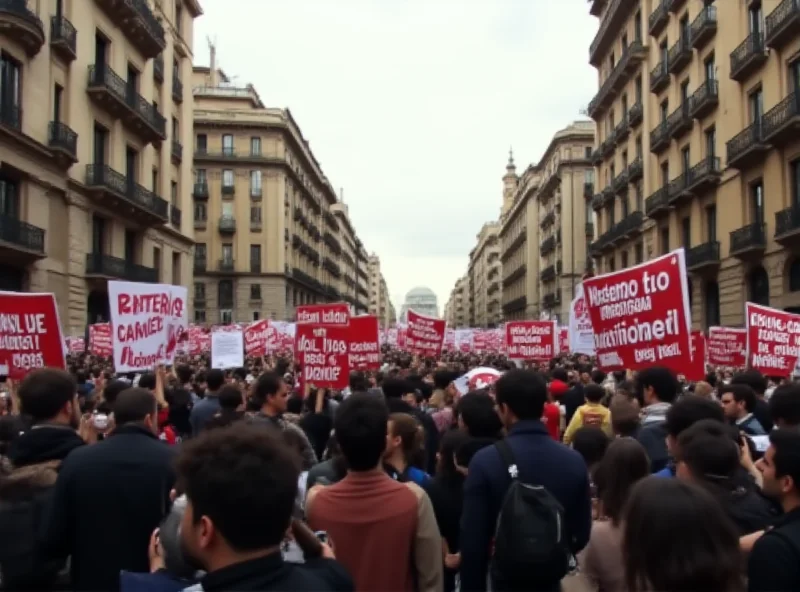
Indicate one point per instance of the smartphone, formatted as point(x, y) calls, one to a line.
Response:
point(322, 536)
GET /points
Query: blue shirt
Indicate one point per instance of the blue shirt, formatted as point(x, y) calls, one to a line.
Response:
point(202, 412)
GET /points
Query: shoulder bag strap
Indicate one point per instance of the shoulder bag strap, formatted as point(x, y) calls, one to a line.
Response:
point(504, 448)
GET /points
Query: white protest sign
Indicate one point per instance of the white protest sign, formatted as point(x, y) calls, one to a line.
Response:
point(227, 349)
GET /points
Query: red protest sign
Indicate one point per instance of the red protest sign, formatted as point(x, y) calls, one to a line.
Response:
point(773, 339)
point(727, 346)
point(640, 315)
point(30, 333)
point(365, 349)
point(424, 335)
point(563, 340)
point(101, 340)
point(324, 354)
point(255, 338)
point(337, 313)
point(531, 340)
point(697, 370)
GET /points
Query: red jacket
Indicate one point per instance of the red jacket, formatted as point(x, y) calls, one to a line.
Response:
point(552, 419)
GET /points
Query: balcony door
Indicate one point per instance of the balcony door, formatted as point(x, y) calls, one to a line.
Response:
point(100, 52)
point(756, 105)
point(98, 235)
point(757, 202)
point(100, 144)
point(131, 162)
point(10, 89)
point(130, 246)
point(9, 199)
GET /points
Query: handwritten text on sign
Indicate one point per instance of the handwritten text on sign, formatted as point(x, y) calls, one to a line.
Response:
point(30, 333)
point(425, 334)
point(773, 339)
point(324, 355)
point(21, 335)
point(531, 340)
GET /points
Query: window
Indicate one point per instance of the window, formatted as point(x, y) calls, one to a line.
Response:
point(611, 62)
point(257, 315)
point(179, 16)
point(154, 180)
point(255, 258)
point(624, 259)
point(624, 42)
point(711, 142)
point(757, 201)
point(624, 105)
point(665, 173)
point(227, 252)
point(611, 264)
point(711, 223)
point(225, 296)
point(664, 109)
point(255, 146)
point(756, 103)
point(639, 253)
point(588, 175)
point(173, 193)
point(794, 75)
point(624, 159)
point(611, 121)
point(199, 315)
point(157, 261)
point(623, 201)
point(200, 254)
point(202, 143)
point(685, 31)
point(638, 87)
point(587, 152)
point(98, 231)
point(227, 209)
point(199, 291)
point(227, 178)
point(758, 284)
point(130, 246)
point(637, 26)
point(755, 20)
point(227, 144)
point(794, 276)
point(132, 83)
point(638, 146)
point(611, 216)
point(795, 183)
point(100, 146)
point(176, 269)
point(639, 196)
point(200, 212)
point(255, 183)
point(255, 292)
point(685, 93)
point(131, 164)
point(711, 302)
point(710, 68)
point(664, 51)
point(255, 214)
point(665, 240)
point(686, 160)
point(58, 94)
point(686, 232)
point(226, 316)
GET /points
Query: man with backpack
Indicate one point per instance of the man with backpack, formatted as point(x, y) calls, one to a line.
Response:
point(527, 505)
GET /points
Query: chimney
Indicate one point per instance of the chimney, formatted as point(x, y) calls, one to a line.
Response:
point(213, 74)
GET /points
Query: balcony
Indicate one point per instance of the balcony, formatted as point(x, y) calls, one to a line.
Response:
point(332, 267)
point(158, 68)
point(548, 245)
point(176, 152)
point(177, 89)
point(612, 20)
point(548, 274)
point(658, 203)
point(20, 241)
point(659, 138)
point(21, 25)
point(679, 55)
point(588, 190)
point(679, 122)
point(702, 257)
point(548, 219)
point(111, 93)
point(635, 170)
point(748, 57)
point(227, 224)
point(228, 190)
point(138, 23)
point(631, 57)
point(787, 226)
point(510, 248)
point(200, 223)
point(622, 131)
point(659, 77)
point(100, 266)
point(782, 122)
point(607, 147)
point(748, 147)
point(703, 176)
point(619, 184)
point(749, 241)
point(597, 156)
point(658, 19)
point(124, 196)
point(63, 38)
point(626, 228)
point(63, 142)
point(782, 24)
point(175, 217)
point(636, 114)
point(518, 273)
point(704, 100)
point(200, 265)
point(676, 190)
point(589, 229)
point(704, 27)
point(516, 305)
point(674, 6)
point(552, 299)
point(226, 265)
point(200, 191)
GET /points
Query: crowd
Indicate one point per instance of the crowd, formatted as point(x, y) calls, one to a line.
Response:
point(555, 477)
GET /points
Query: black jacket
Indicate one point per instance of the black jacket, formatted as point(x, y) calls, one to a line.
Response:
point(774, 562)
point(571, 400)
point(431, 431)
point(24, 497)
point(108, 499)
point(273, 573)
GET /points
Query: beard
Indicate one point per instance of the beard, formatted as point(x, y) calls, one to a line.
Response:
point(189, 558)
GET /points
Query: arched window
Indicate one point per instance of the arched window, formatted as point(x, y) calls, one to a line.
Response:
point(758, 284)
point(794, 276)
point(711, 303)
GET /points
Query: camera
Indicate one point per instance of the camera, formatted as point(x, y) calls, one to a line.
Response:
point(100, 421)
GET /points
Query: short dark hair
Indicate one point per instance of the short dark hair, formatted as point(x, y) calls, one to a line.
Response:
point(230, 397)
point(147, 380)
point(44, 392)
point(598, 376)
point(215, 378)
point(709, 450)
point(133, 405)
point(594, 393)
point(624, 416)
point(394, 388)
point(591, 443)
point(476, 410)
point(112, 391)
point(357, 381)
point(238, 476)
point(524, 392)
point(360, 426)
point(559, 374)
point(443, 378)
point(784, 404)
point(690, 409)
point(184, 373)
point(787, 454)
point(662, 380)
point(267, 385)
point(742, 393)
point(752, 378)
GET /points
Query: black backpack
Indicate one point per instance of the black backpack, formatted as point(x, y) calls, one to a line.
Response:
point(531, 546)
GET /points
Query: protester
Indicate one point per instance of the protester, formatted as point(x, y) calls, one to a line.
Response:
point(590, 414)
point(756, 381)
point(209, 406)
point(739, 403)
point(656, 389)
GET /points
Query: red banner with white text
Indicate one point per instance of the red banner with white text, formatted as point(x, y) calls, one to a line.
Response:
point(30, 333)
point(365, 349)
point(424, 335)
point(321, 344)
point(532, 340)
point(727, 346)
point(773, 339)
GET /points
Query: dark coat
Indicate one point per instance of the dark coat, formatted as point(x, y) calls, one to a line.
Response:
point(108, 499)
point(774, 562)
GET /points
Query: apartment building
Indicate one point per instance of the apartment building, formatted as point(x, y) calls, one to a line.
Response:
point(456, 310)
point(484, 261)
point(380, 303)
point(271, 233)
point(705, 97)
point(564, 217)
point(92, 119)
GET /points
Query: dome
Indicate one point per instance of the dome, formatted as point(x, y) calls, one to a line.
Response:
point(420, 291)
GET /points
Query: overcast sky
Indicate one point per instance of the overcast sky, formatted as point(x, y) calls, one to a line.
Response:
point(411, 106)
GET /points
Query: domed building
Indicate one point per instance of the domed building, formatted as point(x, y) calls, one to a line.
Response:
point(423, 300)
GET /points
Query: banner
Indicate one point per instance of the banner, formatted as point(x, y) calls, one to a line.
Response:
point(227, 349)
point(563, 340)
point(321, 345)
point(581, 336)
point(148, 320)
point(463, 340)
point(773, 339)
point(100, 340)
point(30, 333)
point(255, 338)
point(531, 340)
point(477, 378)
point(337, 313)
point(365, 351)
point(640, 315)
point(697, 371)
point(727, 346)
point(424, 335)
